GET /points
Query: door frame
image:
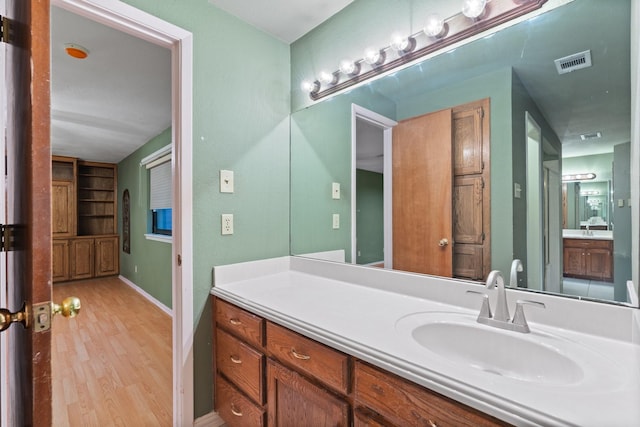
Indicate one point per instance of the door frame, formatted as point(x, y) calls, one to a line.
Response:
point(386, 125)
point(145, 26)
point(534, 194)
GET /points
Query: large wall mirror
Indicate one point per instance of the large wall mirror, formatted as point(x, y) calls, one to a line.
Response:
point(480, 155)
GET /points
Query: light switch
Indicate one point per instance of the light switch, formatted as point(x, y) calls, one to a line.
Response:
point(226, 181)
point(336, 221)
point(621, 203)
point(517, 191)
point(335, 190)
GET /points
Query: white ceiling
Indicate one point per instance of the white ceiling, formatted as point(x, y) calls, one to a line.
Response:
point(286, 20)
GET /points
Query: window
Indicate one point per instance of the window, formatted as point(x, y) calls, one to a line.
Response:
point(160, 194)
point(161, 221)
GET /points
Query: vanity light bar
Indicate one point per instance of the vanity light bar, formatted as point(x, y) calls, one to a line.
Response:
point(454, 29)
point(579, 176)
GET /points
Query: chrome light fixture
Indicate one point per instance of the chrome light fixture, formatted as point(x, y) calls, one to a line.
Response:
point(475, 16)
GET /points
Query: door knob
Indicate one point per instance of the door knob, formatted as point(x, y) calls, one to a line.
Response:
point(70, 307)
point(443, 242)
point(7, 317)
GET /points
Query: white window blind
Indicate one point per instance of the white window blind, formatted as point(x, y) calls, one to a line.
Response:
point(160, 186)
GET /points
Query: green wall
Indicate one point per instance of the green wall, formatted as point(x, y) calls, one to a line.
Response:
point(152, 258)
point(240, 123)
point(369, 217)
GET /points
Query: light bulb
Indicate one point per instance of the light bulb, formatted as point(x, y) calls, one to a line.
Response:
point(473, 8)
point(434, 27)
point(309, 86)
point(328, 78)
point(374, 57)
point(349, 67)
point(402, 44)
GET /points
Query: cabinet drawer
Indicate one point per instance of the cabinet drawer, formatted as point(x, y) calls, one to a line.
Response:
point(407, 404)
point(588, 243)
point(240, 323)
point(321, 362)
point(241, 364)
point(234, 408)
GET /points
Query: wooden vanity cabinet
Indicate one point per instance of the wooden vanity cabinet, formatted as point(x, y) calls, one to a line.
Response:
point(590, 259)
point(239, 364)
point(266, 374)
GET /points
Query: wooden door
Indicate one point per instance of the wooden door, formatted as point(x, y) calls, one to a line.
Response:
point(422, 194)
point(471, 201)
point(107, 256)
point(25, 63)
point(82, 258)
point(293, 401)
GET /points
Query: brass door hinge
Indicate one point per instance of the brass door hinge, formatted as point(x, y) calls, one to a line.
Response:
point(6, 30)
point(10, 237)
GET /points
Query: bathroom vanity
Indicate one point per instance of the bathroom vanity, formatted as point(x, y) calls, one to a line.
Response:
point(588, 254)
point(309, 342)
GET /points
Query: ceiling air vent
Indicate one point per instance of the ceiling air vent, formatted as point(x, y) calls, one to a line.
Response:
point(573, 62)
point(590, 136)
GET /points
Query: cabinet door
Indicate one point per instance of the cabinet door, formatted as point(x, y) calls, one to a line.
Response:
point(574, 261)
point(63, 209)
point(293, 401)
point(81, 258)
point(60, 260)
point(107, 256)
point(599, 264)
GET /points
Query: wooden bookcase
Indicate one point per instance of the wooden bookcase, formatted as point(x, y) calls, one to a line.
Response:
point(97, 210)
point(84, 219)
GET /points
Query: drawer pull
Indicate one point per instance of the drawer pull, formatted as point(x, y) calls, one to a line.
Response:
point(234, 321)
point(234, 411)
point(235, 359)
point(299, 355)
point(376, 388)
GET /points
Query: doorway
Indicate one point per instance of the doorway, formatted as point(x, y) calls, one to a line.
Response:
point(145, 26)
point(371, 139)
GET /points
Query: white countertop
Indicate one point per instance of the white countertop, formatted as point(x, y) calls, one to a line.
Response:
point(356, 310)
point(588, 234)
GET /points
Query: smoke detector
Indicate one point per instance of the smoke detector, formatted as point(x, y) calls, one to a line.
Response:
point(573, 62)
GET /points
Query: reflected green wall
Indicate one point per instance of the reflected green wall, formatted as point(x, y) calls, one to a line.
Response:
point(152, 258)
point(369, 217)
point(241, 105)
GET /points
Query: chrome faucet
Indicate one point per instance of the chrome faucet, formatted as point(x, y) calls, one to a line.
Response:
point(502, 310)
point(501, 318)
point(516, 267)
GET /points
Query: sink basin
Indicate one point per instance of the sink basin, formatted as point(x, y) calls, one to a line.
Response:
point(497, 352)
point(539, 357)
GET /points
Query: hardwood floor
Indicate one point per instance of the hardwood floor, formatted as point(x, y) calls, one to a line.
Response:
point(111, 365)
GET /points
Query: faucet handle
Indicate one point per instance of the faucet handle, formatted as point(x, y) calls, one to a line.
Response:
point(485, 310)
point(519, 320)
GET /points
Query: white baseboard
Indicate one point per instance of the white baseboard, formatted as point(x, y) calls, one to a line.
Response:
point(212, 419)
point(148, 296)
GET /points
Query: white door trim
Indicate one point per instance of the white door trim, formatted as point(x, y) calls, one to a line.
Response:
point(130, 20)
point(386, 124)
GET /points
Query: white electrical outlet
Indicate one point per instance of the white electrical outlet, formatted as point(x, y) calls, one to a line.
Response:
point(336, 221)
point(226, 181)
point(227, 224)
